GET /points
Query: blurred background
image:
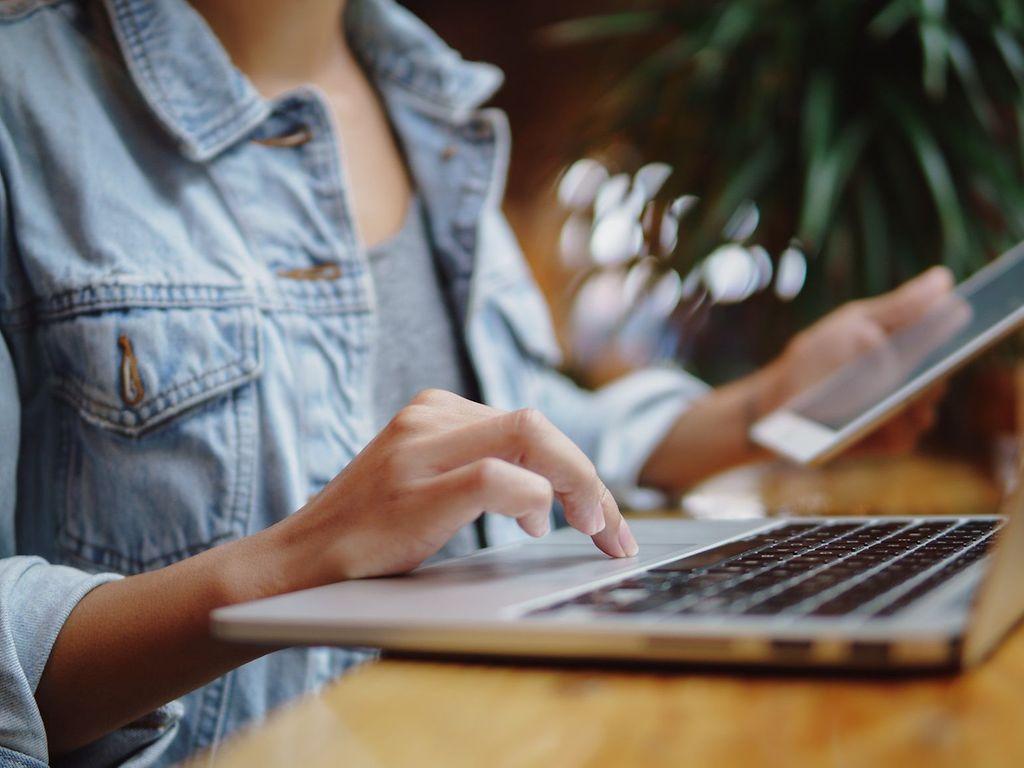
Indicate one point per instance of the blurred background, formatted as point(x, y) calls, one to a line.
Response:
point(695, 180)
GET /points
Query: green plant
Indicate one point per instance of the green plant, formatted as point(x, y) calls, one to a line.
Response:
point(881, 136)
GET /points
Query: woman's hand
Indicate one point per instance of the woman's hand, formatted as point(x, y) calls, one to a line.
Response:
point(437, 466)
point(713, 434)
point(854, 330)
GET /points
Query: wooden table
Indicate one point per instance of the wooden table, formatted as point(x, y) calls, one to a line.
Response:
point(405, 713)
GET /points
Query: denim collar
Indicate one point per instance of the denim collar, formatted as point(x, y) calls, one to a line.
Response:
point(188, 81)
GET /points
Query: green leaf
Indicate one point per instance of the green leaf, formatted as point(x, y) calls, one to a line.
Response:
point(594, 28)
point(893, 17)
point(964, 66)
point(1012, 15)
point(933, 10)
point(1019, 114)
point(988, 168)
point(818, 115)
point(935, 48)
point(885, 134)
point(736, 21)
point(1012, 54)
point(874, 228)
point(826, 181)
point(745, 184)
point(1013, 57)
point(940, 184)
point(647, 77)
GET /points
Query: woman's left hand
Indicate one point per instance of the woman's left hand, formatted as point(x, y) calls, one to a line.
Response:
point(853, 330)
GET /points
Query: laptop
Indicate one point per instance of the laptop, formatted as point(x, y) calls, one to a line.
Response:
point(890, 593)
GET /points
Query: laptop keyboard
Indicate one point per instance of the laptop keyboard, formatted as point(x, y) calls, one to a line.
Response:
point(799, 569)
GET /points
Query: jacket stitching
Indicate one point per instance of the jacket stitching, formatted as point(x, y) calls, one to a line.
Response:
point(93, 555)
point(206, 139)
point(19, 11)
point(72, 388)
point(246, 363)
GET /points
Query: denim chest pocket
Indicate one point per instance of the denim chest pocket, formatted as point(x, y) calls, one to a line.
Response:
point(158, 434)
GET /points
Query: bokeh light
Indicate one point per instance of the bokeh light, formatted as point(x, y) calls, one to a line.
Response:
point(791, 273)
point(627, 240)
point(579, 184)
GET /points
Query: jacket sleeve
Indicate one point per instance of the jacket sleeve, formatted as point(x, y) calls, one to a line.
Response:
point(36, 598)
point(619, 425)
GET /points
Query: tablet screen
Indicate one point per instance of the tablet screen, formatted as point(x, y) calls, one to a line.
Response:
point(980, 310)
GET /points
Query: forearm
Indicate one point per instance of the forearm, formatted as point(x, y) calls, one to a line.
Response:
point(713, 434)
point(131, 646)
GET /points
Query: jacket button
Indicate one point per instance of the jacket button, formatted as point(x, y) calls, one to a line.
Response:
point(296, 138)
point(318, 272)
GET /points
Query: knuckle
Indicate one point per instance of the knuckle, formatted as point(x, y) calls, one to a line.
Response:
point(869, 336)
point(853, 316)
point(855, 309)
point(390, 468)
point(486, 472)
point(546, 496)
point(527, 421)
point(428, 397)
point(541, 493)
point(604, 496)
point(408, 419)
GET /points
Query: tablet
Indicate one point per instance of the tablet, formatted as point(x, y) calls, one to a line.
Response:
point(834, 413)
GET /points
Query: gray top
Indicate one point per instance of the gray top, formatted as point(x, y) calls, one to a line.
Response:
point(419, 344)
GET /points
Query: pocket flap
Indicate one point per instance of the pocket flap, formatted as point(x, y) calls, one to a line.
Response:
point(130, 369)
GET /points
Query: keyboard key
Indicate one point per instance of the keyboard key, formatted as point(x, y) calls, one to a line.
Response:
point(955, 566)
point(788, 568)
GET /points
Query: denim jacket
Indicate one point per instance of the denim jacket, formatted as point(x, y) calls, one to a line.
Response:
point(188, 320)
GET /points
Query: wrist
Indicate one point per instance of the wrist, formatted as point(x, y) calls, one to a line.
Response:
point(712, 435)
point(766, 390)
point(308, 549)
point(753, 397)
point(272, 562)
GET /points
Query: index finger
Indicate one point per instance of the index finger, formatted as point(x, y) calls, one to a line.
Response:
point(528, 439)
point(911, 300)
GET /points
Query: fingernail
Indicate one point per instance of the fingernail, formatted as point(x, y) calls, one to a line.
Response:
point(629, 545)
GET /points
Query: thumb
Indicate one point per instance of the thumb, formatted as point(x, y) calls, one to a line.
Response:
point(911, 300)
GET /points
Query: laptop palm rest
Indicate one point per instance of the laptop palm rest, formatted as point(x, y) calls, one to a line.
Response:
point(482, 586)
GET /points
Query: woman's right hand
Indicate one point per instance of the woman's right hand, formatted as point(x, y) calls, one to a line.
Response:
point(439, 464)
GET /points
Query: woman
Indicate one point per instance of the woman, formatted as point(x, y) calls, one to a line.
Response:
point(235, 238)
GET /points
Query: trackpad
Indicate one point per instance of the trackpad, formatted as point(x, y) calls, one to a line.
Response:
point(555, 564)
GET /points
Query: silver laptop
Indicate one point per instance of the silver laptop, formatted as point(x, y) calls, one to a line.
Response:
point(858, 593)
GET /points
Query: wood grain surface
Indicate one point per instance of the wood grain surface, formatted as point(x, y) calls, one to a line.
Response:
point(405, 713)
